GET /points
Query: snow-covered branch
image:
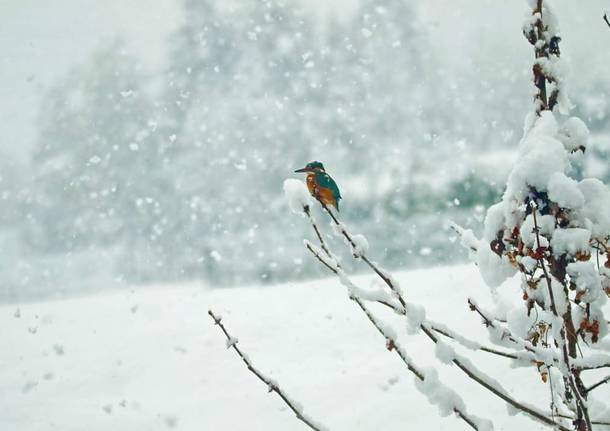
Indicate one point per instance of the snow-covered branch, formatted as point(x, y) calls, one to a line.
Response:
point(566, 330)
point(359, 248)
point(435, 326)
point(437, 393)
point(500, 332)
point(585, 365)
point(443, 397)
point(546, 228)
point(466, 236)
point(541, 30)
point(462, 363)
point(271, 385)
point(417, 320)
point(329, 262)
point(488, 383)
point(467, 343)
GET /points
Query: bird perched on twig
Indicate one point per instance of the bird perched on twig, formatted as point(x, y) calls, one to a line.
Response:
point(321, 185)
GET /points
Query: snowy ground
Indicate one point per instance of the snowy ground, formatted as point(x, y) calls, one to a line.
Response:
point(150, 359)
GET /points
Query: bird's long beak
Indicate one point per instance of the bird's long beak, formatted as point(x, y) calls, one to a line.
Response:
point(301, 170)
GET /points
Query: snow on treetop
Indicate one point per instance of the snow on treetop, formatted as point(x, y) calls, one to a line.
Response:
point(542, 168)
point(297, 195)
point(546, 226)
point(587, 280)
point(570, 241)
point(494, 221)
point(596, 211)
point(553, 67)
point(493, 268)
point(565, 191)
point(574, 134)
point(540, 156)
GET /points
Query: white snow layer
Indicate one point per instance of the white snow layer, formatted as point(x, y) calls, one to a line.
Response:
point(542, 165)
point(586, 278)
point(309, 336)
point(574, 134)
point(597, 208)
point(444, 352)
point(438, 394)
point(362, 245)
point(540, 156)
point(565, 191)
point(416, 315)
point(570, 241)
point(494, 269)
point(297, 195)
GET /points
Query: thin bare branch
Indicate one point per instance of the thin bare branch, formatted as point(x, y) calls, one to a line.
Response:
point(601, 382)
point(382, 274)
point(271, 385)
point(307, 212)
point(606, 19)
point(591, 367)
point(320, 258)
point(594, 422)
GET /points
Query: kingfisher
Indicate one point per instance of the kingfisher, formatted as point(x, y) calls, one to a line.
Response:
point(321, 185)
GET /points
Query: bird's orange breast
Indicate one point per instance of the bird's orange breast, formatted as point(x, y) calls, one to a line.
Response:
point(311, 184)
point(324, 195)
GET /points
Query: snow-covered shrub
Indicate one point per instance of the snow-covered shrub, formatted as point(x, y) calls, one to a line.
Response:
point(553, 230)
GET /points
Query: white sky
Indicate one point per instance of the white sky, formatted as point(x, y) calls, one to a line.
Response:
point(40, 40)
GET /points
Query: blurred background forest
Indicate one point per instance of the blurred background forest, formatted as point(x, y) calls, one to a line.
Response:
point(139, 175)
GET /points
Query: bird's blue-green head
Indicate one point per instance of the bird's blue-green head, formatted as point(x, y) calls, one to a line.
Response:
point(312, 167)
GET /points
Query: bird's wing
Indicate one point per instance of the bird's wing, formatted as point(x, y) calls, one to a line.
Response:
point(324, 180)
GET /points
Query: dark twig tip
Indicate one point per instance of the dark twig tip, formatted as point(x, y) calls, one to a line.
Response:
point(217, 319)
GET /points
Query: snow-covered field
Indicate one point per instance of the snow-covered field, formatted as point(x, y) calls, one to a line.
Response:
point(151, 359)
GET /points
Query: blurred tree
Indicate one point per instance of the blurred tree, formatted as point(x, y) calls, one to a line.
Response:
point(175, 169)
point(13, 174)
point(97, 175)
